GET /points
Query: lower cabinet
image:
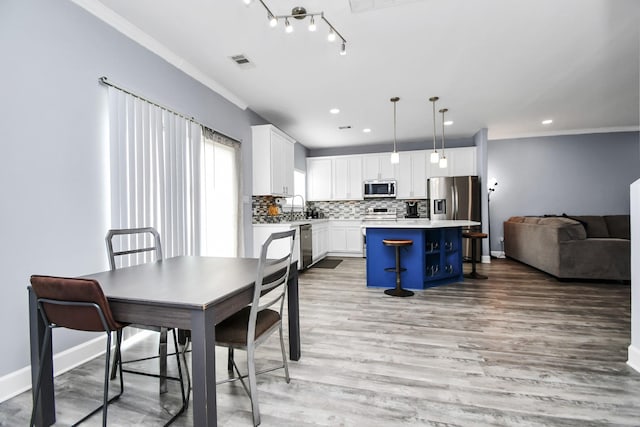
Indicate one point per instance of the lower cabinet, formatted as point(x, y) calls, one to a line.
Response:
point(346, 238)
point(319, 240)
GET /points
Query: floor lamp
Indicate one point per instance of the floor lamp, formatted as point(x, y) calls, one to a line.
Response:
point(491, 188)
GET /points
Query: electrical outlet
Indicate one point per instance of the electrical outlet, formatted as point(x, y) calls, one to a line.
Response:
point(501, 239)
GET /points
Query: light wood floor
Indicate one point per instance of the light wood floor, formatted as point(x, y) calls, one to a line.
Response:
point(519, 349)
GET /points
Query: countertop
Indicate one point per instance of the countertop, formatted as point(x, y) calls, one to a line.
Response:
point(418, 223)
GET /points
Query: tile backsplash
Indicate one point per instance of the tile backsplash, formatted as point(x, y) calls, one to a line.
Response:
point(347, 209)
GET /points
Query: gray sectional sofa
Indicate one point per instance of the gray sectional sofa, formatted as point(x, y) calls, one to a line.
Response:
point(572, 247)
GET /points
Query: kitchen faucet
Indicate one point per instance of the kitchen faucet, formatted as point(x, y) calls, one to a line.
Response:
point(292, 204)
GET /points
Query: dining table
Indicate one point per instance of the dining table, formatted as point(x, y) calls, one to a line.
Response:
point(186, 292)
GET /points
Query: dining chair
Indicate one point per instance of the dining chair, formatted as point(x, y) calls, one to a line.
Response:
point(252, 325)
point(138, 246)
point(76, 304)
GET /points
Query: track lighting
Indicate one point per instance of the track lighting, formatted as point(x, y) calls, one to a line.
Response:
point(301, 13)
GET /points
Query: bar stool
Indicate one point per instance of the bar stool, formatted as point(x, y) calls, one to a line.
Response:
point(474, 236)
point(397, 244)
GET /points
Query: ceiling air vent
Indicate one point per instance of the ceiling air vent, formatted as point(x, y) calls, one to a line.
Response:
point(344, 127)
point(242, 61)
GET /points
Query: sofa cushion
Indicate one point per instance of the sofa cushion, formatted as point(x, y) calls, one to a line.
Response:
point(568, 229)
point(619, 226)
point(595, 225)
point(531, 220)
point(516, 219)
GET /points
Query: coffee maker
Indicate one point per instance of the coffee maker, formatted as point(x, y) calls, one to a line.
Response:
point(412, 209)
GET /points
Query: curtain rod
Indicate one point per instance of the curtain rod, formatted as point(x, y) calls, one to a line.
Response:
point(105, 81)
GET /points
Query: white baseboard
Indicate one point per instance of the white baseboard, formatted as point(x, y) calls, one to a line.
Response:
point(634, 358)
point(19, 381)
point(498, 254)
point(486, 259)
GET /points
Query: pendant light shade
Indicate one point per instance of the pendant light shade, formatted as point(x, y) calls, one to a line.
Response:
point(443, 158)
point(395, 157)
point(435, 157)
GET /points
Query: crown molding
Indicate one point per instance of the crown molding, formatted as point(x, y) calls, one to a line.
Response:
point(566, 132)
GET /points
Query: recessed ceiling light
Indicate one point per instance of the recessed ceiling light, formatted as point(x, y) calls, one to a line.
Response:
point(448, 123)
point(334, 110)
point(366, 130)
point(547, 122)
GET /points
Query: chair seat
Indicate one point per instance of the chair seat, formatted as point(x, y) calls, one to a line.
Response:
point(397, 242)
point(233, 330)
point(474, 235)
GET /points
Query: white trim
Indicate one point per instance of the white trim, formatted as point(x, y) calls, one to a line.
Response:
point(634, 358)
point(565, 132)
point(19, 381)
point(498, 254)
point(107, 15)
point(486, 259)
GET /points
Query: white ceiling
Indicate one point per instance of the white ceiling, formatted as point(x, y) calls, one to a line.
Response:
point(501, 64)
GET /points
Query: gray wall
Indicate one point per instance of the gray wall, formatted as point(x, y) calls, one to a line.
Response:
point(53, 146)
point(577, 174)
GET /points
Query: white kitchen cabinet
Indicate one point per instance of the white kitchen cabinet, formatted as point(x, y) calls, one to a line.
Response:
point(272, 161)
point(319, 240)
point(261, 233)
point(346, 238)
point(460, 162)
point(319, 176)
point(463, 161)
point(378, 166)
point(347, 178)
point(412, 175)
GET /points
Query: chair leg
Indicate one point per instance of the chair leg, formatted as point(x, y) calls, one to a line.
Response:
point(230, 360)
point(253, 385)
point(284, 356)
point(162, 351)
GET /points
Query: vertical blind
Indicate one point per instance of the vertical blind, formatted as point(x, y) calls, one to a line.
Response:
point(155, 171)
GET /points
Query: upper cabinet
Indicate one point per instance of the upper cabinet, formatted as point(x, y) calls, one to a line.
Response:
point(340, 177)
point(460, 162)
point(378, 166)
point(412, 175)
point(319, 178)
point(272, 161)
point(347, 178)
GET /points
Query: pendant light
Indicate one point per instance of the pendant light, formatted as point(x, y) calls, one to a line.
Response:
point(435, 157)
point(443, 158)
point(395, 157)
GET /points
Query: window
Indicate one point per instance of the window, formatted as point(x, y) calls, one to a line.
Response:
point(299, 189)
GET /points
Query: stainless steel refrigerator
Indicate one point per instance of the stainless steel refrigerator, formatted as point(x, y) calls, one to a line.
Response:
point(456, 197)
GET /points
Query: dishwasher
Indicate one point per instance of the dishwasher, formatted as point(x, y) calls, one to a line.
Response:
point(306, 255)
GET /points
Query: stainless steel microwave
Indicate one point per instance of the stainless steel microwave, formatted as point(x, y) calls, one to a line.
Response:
point(379, 188)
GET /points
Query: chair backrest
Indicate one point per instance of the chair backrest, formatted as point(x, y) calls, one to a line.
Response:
point(133, 243)
point(74, 303)
point(272, 274)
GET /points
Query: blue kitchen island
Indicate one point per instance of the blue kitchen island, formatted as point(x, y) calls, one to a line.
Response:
point(434, 259)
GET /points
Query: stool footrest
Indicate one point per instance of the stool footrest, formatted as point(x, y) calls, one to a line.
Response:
point(393, 269)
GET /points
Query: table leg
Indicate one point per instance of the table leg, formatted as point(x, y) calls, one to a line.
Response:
point(46, 414)
point(203, 357)
point(294, 314)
